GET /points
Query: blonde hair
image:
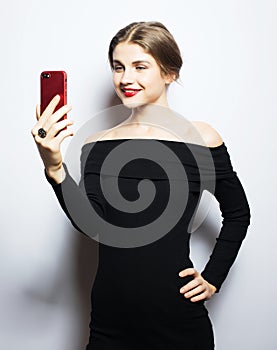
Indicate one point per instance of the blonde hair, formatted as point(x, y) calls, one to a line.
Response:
point(156, 40)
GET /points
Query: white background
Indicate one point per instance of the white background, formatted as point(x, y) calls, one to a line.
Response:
point(229, 79)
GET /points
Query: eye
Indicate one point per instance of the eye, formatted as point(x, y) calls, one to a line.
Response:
point(118, 68)
point(140, 67)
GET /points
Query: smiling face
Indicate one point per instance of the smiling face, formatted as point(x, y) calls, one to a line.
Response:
point(137, 77)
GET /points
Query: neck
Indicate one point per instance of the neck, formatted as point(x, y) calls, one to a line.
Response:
point(152, 117)
point(149, 114)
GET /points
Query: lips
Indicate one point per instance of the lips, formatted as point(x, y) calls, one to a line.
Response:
point(130, 92)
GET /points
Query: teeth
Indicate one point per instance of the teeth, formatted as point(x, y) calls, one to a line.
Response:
point(126, 90)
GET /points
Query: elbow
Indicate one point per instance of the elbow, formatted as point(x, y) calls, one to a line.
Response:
point(244, 213)
point(247, 215)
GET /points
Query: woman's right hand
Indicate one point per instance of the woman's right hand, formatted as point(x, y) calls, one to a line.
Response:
point(49, 146)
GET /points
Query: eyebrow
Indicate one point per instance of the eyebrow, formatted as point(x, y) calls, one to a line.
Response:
point(135, 62)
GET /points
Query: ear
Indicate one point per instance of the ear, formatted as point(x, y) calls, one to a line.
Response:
point(169, 78)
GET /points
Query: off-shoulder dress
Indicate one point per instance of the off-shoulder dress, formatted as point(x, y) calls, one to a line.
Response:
point(135, 298)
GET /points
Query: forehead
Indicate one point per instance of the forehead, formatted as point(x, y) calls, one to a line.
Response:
point(131, 52)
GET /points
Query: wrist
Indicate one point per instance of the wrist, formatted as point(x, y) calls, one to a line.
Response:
point(56, 173)
point(212, 288)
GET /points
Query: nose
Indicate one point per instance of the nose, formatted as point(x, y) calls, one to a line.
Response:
point(127, 77)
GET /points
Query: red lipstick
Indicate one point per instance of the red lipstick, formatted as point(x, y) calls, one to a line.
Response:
point(130, 92)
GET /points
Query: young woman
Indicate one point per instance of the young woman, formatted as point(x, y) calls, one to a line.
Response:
point(147, 294)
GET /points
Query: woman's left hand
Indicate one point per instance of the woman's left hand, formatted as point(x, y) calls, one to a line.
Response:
point(197, 289)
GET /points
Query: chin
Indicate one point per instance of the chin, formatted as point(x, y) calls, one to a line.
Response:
point(133, 104)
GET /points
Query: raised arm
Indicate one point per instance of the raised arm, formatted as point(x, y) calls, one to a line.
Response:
point(49, 132)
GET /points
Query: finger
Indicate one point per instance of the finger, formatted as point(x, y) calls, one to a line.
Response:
point(198, 290)
point(202, 296)
point(58, 127)
point(36, 127)
point(61, 136)
point(38, 112)
point(52, 132)
point(187, 272)
point(48, 111)
point(53, 143)
point(54, 118)
point(50, 108)
point(191, 285)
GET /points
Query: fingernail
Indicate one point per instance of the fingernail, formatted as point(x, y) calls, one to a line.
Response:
point(180, 274)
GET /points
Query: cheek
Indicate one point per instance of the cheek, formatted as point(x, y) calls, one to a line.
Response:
point(154, 81)
point(116, 85)
point(155, 87)
point(116, 80)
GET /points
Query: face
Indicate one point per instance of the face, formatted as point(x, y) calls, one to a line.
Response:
point(137, 77)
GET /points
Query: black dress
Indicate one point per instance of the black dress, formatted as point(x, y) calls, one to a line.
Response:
point(136, 303)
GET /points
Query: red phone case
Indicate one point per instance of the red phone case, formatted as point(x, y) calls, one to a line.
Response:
point(53, 83)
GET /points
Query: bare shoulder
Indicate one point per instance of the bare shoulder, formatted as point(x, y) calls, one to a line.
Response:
point(210, 136)
point(96, 136)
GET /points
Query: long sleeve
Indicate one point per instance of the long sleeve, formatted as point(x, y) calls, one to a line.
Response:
point(80, 202)
point(235, 212)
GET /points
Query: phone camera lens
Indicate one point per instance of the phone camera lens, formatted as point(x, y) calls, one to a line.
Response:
point(45, 75)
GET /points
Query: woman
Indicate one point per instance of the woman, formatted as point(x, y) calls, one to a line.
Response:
point(148, 296)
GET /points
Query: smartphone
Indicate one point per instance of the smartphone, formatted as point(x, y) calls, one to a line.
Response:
point(53, 83)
